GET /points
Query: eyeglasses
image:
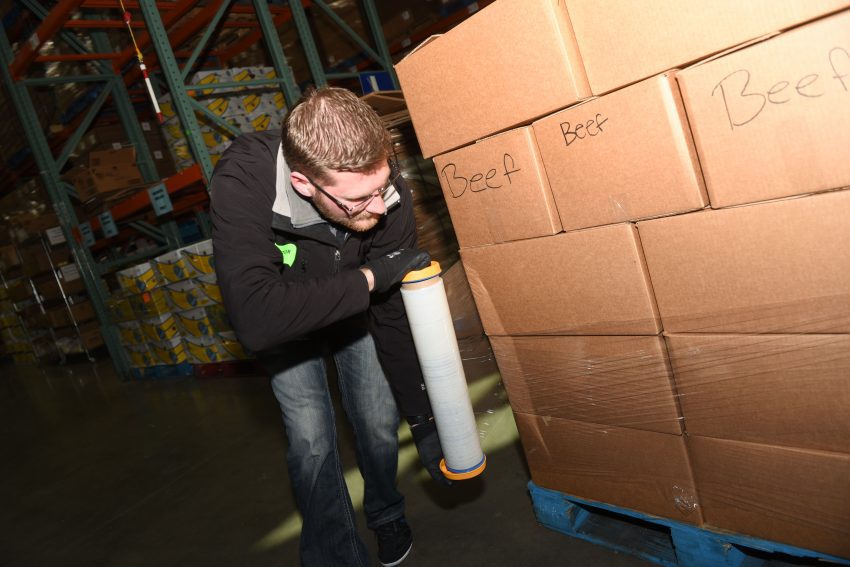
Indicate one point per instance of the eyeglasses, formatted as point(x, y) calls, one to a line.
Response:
point(361, 204)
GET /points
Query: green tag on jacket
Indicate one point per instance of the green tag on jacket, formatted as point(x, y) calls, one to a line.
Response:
point(288, 253)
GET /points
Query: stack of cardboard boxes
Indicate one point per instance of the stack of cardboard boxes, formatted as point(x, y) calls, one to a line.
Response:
point(108, 171)
point(48, 298)
point(648, 235)
point(112, 136)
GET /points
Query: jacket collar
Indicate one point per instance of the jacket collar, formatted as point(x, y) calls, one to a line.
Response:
point(288, 202)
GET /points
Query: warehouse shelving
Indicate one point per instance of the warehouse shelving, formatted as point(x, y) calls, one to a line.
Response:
point(175, 37)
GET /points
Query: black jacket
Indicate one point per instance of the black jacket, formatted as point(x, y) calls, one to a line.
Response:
point(286, 275)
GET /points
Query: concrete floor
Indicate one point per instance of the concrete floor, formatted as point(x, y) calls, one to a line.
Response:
point(96, 472)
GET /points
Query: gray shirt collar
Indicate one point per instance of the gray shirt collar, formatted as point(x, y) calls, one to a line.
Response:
point(288, 202)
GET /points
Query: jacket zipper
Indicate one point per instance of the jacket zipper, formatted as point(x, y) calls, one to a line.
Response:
point(337, 258)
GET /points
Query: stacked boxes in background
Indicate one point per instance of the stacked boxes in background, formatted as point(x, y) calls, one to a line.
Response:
point(13, 336)
point(640, 347)
point(170, 311)
point(249, 109)
point(112, 136)
point(107, 171)
point(48, 297)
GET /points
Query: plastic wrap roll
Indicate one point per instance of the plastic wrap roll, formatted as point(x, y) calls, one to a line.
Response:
point(433, 334)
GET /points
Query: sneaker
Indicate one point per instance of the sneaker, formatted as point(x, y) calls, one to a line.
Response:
point(394, 542)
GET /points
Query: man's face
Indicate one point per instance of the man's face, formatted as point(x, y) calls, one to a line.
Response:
point(351, 199)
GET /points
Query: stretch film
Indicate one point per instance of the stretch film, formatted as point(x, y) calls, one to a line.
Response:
point(436, 346)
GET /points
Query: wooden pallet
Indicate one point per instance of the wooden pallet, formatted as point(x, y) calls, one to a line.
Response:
point(662, 541)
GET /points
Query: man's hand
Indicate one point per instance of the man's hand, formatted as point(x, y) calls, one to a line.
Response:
point(390, 269)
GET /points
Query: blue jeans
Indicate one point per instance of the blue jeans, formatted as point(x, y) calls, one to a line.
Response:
point(299, 380)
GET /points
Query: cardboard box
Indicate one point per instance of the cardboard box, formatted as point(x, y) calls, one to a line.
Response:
point(83, 311)
point(790, 390)
point(794, 496)
point(488, 183)
point(48, 288)
point(779, 267)
point(58, 317)
point(512, 62)
point(34, 259)
point(90, 336)
point(40, 223)
point(112, 158)
point(467, 323)
point(773, 120)
point(640, 470)
point(590, 282)
point(108, 170)
point(19, 290)
point(625, 156)
point(158, 147)
point(622, 381)
point(9, 257)
point(623, 41)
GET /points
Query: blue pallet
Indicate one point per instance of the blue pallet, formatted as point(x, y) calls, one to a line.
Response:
point(659, 540)
point(163, 371)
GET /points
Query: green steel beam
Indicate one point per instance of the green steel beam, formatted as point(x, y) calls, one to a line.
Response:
point(204, 223)
point(69, 189)
point(273, 45)
point(75, 138)
point(380, 40)
point(168, 64)
point(128, 116)
point(343, 25)
point(187, 67)
point(235, 84)
point(148, 229)
point(215, 117)
point(172, 234)
point(305, 35)
point(168, 233)
point(42, 81)
point(61, 202)
point(112, 265)
point(343, 75)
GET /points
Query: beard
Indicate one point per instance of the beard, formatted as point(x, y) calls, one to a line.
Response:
point(363, 221)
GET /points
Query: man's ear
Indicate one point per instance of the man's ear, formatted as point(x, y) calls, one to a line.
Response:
point(301, 184)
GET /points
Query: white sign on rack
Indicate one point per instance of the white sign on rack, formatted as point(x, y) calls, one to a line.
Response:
point(70, 272)
point(86, 232)
point(55, 235)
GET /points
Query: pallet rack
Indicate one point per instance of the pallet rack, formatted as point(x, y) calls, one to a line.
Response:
point(176, 37)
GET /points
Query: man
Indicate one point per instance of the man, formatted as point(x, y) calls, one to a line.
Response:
point(313, 229)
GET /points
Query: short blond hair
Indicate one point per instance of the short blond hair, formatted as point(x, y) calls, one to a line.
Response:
point(332, 129)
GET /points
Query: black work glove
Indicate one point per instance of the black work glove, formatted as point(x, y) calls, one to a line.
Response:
point(424, 431)
point(391, 269)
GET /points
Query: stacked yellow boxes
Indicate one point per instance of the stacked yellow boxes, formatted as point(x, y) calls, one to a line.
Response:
point(248, 109)
point(205, 318)
point(148, 329)
point(195, 302)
